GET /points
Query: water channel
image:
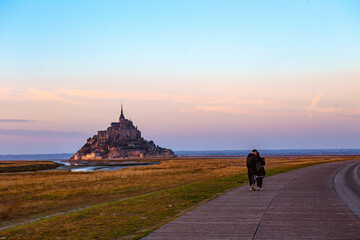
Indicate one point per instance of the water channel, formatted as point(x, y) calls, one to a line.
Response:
point(92, 168)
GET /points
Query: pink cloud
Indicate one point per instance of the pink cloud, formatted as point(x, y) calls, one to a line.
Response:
point(314, 101)
point(33, 95)
point(224, 109)
point(103, 94)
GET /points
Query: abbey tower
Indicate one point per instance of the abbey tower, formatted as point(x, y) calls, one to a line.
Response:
point(118, 131)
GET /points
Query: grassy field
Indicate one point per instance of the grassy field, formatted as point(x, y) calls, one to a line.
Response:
point(127, 203)
point(24, 166)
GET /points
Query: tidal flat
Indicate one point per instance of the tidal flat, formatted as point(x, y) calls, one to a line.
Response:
point(127, 203)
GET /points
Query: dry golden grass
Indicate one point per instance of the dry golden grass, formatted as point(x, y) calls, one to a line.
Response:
point(30, 195)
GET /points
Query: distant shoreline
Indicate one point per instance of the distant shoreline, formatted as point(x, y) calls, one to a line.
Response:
point(202, 153)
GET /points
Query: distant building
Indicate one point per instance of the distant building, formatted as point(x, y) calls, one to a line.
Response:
point(121, 140)
point(89, 156)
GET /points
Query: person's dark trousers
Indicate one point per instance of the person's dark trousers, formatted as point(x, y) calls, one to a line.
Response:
point(251, 178)
point(259, 181)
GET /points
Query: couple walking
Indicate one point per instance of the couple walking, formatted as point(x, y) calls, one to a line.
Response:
point(256, 171)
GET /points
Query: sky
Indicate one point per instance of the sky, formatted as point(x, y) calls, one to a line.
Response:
point(192, 75)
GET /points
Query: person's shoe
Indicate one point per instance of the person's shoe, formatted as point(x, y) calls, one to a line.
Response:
point(259, 189)
point(252, 188)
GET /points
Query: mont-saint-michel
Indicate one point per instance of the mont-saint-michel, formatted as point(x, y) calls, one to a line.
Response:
point(121, 140)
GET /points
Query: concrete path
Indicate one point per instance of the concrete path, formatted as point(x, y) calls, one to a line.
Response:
point(347, 185)
point(300, 204)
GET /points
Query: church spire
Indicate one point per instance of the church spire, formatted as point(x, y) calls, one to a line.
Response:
point(122, 112)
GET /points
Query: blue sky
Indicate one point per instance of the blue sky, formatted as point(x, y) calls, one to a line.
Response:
point(182, 68)
point(178, 37)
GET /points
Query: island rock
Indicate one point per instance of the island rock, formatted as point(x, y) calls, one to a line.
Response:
point(121, 140)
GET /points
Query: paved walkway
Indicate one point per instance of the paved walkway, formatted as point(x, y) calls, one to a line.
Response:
point(347, 185)
point(300, 204)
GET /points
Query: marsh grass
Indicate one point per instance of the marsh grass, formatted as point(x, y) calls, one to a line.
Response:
point(24, 166)
point(153, 195)
point(49, 192)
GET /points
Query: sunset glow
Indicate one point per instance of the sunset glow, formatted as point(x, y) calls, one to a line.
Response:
point(192, 75)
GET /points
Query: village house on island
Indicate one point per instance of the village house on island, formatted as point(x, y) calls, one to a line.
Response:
point(121, 140)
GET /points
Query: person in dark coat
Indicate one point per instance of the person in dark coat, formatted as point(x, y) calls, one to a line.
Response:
point(256, 171)
point(260, 171)
point(251, 166)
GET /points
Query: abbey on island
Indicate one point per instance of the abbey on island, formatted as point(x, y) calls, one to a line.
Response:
point(121, 140)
